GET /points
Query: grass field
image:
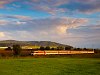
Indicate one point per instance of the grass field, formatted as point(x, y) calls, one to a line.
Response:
point(50, 66)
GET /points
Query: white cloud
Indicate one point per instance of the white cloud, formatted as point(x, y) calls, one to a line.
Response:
point(2, 34)
point(70, 23)
point(62, 29)
point(19, 23)
point(4, 22)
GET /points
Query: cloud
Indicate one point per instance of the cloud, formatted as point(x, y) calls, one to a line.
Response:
point(73, 31)
point(14, 19)
point(20, 23)
point(22, 17)
point(55, 25)
point(71, 23)
point(62, 29)
point(49, 6)
point(95, 27)
point(53, 29)
point(86, 6)
point(6, 35)
point(4, 22)
point(4, 2)
point(55, 7)
point(19, 17)
point(2, 34)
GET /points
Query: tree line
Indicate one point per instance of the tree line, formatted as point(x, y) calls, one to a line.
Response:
point(16, 49)
point(54, 48)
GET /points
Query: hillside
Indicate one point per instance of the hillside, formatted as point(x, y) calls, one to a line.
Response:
point(6, 43)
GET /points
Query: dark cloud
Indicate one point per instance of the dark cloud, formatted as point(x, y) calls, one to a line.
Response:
point(89, 6)
point(52, 6)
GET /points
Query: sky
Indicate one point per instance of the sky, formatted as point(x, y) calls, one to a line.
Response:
point(71, 22)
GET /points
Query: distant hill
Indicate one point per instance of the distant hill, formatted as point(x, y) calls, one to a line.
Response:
point(6, 43)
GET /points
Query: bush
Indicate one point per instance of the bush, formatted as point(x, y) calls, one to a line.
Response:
point(17, 50)
point(68, 48)
point(42, 48)
point(60, 48)
point(9, 48)
point(47, 48)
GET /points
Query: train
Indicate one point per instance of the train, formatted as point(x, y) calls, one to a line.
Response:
point(61, 52)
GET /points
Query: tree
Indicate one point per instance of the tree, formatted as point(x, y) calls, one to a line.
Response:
point(84, 48)
point(60, 48)
point(47, 48)
point(17, 50)
point(9, 48)
point(42, 48)
point(78, 49)
point(52, 48)
point(68, 48)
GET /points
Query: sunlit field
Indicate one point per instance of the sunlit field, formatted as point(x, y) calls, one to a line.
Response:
point(50, 66)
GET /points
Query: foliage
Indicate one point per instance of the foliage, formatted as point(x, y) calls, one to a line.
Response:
point(42, 48)
point(47, 48)
point(84, 48)
point(53, 49)
point(16, 50)
point(68, 48)
point(60, 48)
point(9, 48)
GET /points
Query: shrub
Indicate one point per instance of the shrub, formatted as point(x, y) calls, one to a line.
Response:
point(9, 48)
point(17, 50)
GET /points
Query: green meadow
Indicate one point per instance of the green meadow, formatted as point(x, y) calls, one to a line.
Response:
point(50, 66)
